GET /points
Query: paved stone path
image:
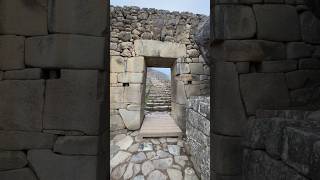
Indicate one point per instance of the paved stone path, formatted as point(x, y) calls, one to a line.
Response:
point(134, 158)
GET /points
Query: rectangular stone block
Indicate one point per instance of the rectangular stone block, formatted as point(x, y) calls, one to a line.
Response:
point(62, 167)
point(72, 102)
point(12, 52)
point(133, 93)
point(277, 22)
point(22, 17)
point(299, 79)
point(277, 66)
point(117, 64)
point(65, 51)
point(136, 65)
point(296, 50)
point(12, 160)
point(22, 140)
point(21, 104)
point(310, 26)
point(18, 174)
point(25, 74)
point(77, 17)
point(309, 63)
point(270, 90)
point(130, 78)
point(77, 145)
point(151, 48)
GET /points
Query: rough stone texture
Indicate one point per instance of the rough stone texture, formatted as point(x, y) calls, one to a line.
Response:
point(284, 25)
point(12, 160)
point(131, 119)
point(301, 78)
point(234, 22)
point(62, 167)
point(310, 26)
point(51, 52)
point(20, 140)
point(258, 165)
point(25, 74)
point(230, 113)
point(75, 88)
point(296, 50)
point(77, 145)
point(19, 174)
point(77, 17)
point(151, 48)
point(277, 66)
point(310, 63)
point(119, 158)
point(271, 91)
point(272, 50)
point(21, 104)
point(23, 18)
point(238, 51)
point(156, 175)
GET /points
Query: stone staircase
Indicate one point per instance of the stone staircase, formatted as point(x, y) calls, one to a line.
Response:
point(159, 97)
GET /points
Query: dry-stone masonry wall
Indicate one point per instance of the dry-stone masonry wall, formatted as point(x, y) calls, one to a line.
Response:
point(198, 134)
point(51, 78)
point(141, 38)
point(264, 55)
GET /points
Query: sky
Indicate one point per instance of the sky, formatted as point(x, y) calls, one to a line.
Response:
point(194, 6)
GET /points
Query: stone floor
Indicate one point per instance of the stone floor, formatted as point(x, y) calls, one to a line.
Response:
point(134, 158)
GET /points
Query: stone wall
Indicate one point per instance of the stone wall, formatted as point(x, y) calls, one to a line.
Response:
point(143, 38)
point(51, 89)
point(264, 55)
point(283, 144)
point(198, 134)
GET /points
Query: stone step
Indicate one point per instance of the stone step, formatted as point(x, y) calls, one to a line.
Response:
point(158, 101)
point(158, 108)
point(157, 104)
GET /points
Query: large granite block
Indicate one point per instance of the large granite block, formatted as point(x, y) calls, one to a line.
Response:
point(234, 22)
point(21, 140)
point(270, 90)
point(23, 17)
point(77, 17)
point(24, 74)
point(277, 22)
point(310, 27)
point(21, 104)
point(12, 52)
point(50, 166)
point(18, 174)
point(65, 51)
point(12, 160)
point(72, 102)
point(77, 145)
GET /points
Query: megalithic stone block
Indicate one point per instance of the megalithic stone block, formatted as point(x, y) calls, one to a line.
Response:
point(65, 51)
point(131, 119)
point(77, 17)
point(21, 17)
point(12, 52)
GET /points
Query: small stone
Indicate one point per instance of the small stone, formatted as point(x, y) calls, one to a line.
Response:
point(136, 169)
point(138, 158)
point(174, 174)
point(162, 163)
point(138, 138)
point(119, 158)
point(180, 143)
point(156, 175)
point(172, 140)
point(140, 177)
point(147, 167)
point(174, 150)
point(176, 166)
point(163, 140)
point(113, 150)
point(118, 171)
point(181, 160)
point(151, 154)
point(134, 148)
point(12, 160)
point(134, 133)
point(155, 141)
point(189, 174)
point(163, 154)
point(125, 143)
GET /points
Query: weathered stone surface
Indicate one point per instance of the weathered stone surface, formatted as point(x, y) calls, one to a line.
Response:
point(25, 74)
point(131, 119)
point(174, 150)
point(310, 63)
point(12, 52)
point(310, 27)
point(138, 158)
point(135, 64)
point(297, 140)
point(152, 48)
point(238, 51)
point(296, 50)
point(80, 107)
point(301, 78)
point(62, 167)
point(130, 78)
point(77, 17)
point(174, 174)
point(258, 165)
point(227, 154)
point(243, 67)
point(139, 177)
point(20, 140)
point(119, 158)
point(117, 64)
point(156, 175)
point(277, 66)
point(230, 115)
point(21, 104)
point(133, 93)
point(116, 122)
point(125, 143)
point(192, 90)
point(162, 163)
point(181, 97)
point(118, 171)
point(23, 18)
point(129, 172)
point(271, 91)
point(77, 145)
point(196, 68)
point(58, 51)
point(19, 174)
point(272, 50)
point(234, 22)
point(284, 25)
point(12, 160)
point(189, 174)
point(147, 167)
